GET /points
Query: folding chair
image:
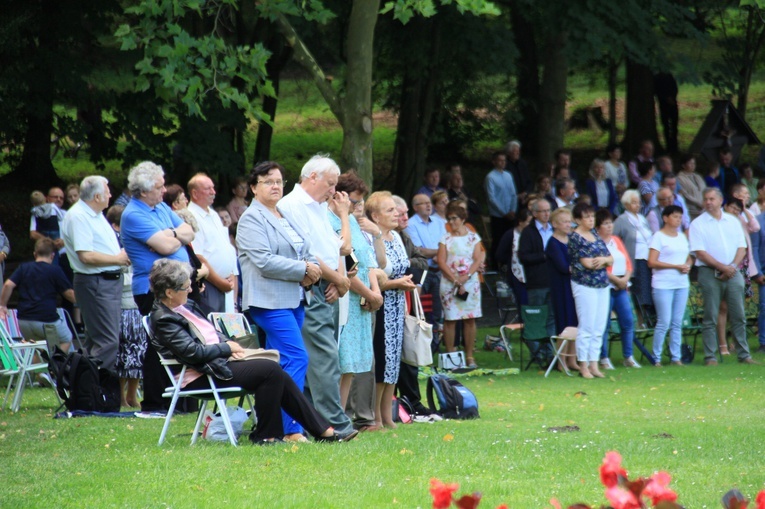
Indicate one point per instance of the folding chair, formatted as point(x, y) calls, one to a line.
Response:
point(533, 329)
point(76, 337)
point(175, 391)
point(568, 335)
point(18, 361)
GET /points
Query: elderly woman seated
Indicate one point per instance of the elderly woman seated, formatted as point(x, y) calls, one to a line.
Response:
point(181, 332)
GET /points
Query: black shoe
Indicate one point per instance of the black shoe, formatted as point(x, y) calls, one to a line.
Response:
point(264, 441)
point(761, 349)
point(339, 437)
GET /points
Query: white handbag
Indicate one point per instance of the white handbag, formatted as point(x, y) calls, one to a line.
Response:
point(418, 336)
point(452, 360)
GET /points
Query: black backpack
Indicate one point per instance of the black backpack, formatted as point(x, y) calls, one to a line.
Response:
point(455, 401)
point(83, 384)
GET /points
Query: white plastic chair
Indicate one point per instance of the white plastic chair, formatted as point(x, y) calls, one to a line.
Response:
point(175, 392)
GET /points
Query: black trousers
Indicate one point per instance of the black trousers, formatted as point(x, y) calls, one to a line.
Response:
point(499, 225)
point(409, 386)
point(154, 377)
point(273, 390)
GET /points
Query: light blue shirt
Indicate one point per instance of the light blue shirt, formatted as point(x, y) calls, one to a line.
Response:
point(426, 234)
point(500, 190)
point(546, 233)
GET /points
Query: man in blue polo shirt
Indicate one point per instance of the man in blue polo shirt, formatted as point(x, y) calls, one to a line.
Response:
point(150, 231)
point(426, 230)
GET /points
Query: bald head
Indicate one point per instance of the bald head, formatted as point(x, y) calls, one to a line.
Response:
point(422, 205)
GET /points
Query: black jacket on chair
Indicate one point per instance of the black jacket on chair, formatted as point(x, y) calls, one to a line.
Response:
point(173, 337)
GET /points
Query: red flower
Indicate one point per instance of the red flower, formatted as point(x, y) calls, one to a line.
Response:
point(555, 503)
point(468, 501)
point(611, 469)
point(657, 490)
point(502, 506)
point(760, 500)
point(621, 498)
point(442, 493)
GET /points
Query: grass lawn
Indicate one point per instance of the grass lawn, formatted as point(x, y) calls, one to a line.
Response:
point(703, 425)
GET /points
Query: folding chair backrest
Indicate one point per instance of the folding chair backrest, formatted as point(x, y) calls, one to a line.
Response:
point(11, 324)
point(232, 325)
point(7, 357)
point(534, 322)
point(166, 363)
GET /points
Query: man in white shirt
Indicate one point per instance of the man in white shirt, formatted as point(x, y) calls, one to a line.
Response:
point(97, 261)
point(719, 245)
point(306, 206)
point(212, 246)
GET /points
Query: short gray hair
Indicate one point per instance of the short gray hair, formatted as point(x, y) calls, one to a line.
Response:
point(143, 176)
point(715, 190)
point(512, 144)
point(91, 186)
point(629, 195)
point(399, 201)
point(167, 274)
point(320, 164)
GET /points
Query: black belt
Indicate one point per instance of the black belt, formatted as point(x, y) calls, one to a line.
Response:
point(111, 275)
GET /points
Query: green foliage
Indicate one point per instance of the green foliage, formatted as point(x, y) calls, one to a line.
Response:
point(404, 10)
point(186, 63)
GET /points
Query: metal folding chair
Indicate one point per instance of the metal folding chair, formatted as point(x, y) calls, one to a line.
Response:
point(532, 330)
point(567, 336)
point(18, 361)
point(175, 392)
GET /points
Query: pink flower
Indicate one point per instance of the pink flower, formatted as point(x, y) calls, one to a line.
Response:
point(657, 490)
point(442, 493)
point(621, 498)
point(611, 469)
point(554, 502)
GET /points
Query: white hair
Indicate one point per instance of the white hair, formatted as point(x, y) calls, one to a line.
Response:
point(143, 177)
point(399, 201)
point(91, 186)
point(629, 195)
point(320, 164)
point(512, 144)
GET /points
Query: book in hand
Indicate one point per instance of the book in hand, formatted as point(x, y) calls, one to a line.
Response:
point(351, 262)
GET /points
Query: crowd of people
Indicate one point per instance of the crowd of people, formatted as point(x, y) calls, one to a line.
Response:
point(324, 271)
point(635, 237)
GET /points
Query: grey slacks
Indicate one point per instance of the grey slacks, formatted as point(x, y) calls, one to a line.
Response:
point(323, 375)
point(714, 290)
point(100, 302)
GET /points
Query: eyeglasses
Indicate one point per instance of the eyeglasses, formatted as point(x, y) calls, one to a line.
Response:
point(543, 211)
point(182, 289)
point(421, 203)
point(453, 218)
point(272, 183)
point(355, 202)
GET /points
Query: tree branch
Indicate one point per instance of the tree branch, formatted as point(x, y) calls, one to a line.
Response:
point(304, 57)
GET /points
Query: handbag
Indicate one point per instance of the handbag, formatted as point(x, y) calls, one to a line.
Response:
point(418, 334)
point(258, 353)
point(452, 360)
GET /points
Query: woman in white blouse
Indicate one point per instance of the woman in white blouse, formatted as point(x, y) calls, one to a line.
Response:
point(669, 257)
point(632, 227)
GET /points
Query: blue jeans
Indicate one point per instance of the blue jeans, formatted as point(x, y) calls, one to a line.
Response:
point(282, 327)
point(670, 306)
point(620, 304)
point(761, 316)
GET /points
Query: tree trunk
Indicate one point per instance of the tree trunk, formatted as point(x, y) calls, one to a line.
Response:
point(552, 112)
point(357, 103)
point(36, 167)
point(416, 112)
point(613, 70)
point(527, 79)
point(641, 111)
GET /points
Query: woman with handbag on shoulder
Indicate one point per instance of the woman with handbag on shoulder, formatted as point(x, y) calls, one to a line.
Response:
point(459, 257)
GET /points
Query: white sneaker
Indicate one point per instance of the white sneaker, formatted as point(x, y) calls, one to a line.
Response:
point(45, 380)
point(630, 362)
point(606, 363)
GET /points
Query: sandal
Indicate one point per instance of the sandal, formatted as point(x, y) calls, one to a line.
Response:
point(471, 363)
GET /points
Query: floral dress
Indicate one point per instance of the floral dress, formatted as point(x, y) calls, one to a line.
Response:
point(355, 345)
point(459, 257)
point(579, 247)
point(389, 326)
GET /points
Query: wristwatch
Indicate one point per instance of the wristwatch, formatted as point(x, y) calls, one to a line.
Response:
point(175, 234)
